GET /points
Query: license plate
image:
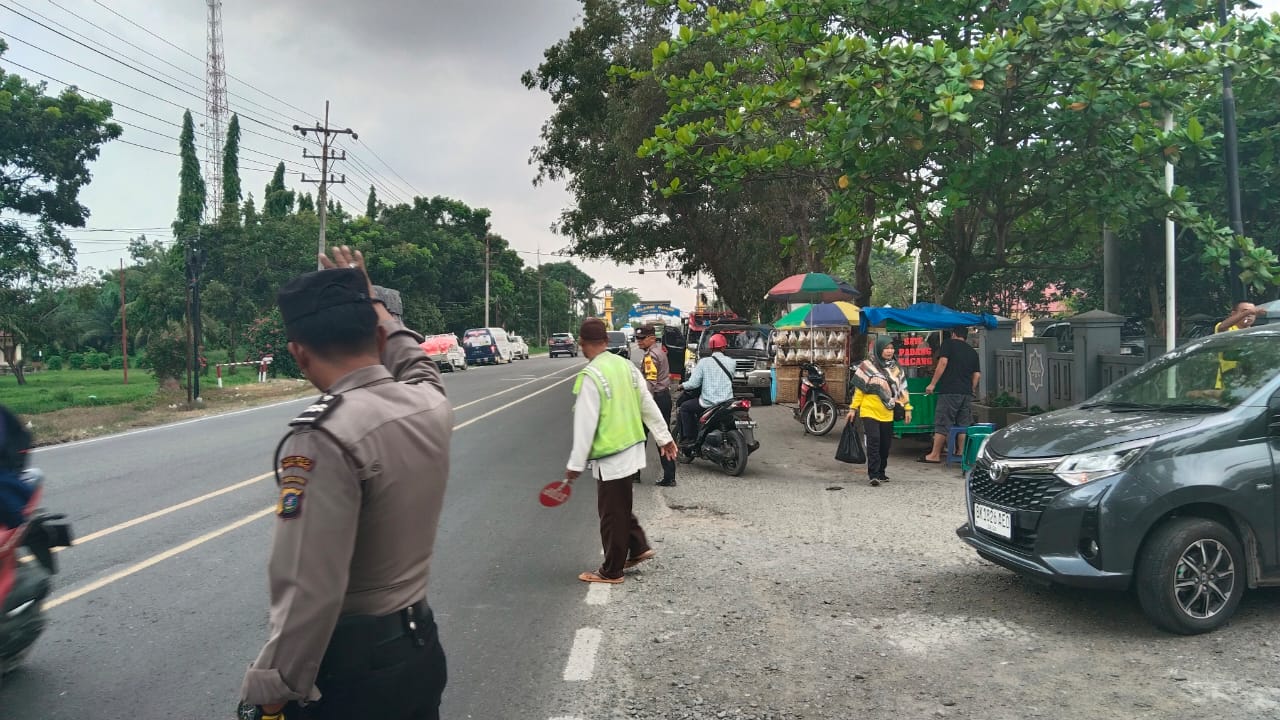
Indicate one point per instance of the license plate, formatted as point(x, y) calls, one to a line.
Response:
point(994, 521)
point(745, 423)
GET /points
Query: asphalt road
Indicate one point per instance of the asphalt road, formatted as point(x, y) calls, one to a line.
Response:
point(162, 603)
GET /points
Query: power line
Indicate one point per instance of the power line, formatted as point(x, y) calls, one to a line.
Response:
point(363, 170)
point(388, 167)
point(198, 95)
point(137, 47)
point(166, 79)
point(200, 59)
point(112, 79)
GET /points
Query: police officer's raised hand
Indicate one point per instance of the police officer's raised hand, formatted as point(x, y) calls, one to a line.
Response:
point(344, 257)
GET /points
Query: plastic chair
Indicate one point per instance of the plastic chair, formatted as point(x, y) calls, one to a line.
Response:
point(973, 442)
point(952, 454)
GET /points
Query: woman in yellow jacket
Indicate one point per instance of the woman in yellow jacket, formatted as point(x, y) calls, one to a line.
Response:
point(881, 386)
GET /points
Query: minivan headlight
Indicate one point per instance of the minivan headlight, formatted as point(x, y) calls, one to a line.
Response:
point(1087, 467)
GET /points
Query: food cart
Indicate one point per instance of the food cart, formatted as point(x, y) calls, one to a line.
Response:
point(822, 334)
point(918, 332)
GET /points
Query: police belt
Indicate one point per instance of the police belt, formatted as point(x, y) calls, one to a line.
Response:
point(356, 635)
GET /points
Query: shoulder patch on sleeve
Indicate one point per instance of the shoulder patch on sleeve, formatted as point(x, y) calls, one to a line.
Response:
point(290, 504)
point(317, 411)
point(304, 464)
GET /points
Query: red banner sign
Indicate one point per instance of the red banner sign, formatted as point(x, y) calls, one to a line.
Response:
point(914, 352)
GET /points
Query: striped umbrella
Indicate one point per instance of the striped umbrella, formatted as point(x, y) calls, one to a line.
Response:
point(820, 315)
point(811, 287)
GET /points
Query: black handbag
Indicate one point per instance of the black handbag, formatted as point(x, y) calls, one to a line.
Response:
point(899, 413)
point(850, 449)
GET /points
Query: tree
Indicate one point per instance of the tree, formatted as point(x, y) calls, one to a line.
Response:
point(623, 299)
point(306, 203)
point(277, 200)
point(590, 142)
point(993, 135)
point(230, 211)
point(371, 206)
point(191, 188)
point(46, 145)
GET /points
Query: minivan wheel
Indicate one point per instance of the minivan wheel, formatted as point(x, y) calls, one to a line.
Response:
point(1191, 575)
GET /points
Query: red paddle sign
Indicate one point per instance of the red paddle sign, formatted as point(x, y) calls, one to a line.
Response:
point(555, 493)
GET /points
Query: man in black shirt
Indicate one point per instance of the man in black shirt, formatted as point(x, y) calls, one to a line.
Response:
point(955, 379)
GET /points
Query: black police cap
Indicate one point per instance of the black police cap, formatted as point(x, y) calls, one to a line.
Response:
point(317, 291)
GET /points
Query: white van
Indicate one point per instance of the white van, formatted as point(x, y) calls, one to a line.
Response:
point(487, 346)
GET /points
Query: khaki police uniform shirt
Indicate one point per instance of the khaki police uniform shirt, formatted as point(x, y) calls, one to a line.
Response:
point(657, 370)
point(360, 496)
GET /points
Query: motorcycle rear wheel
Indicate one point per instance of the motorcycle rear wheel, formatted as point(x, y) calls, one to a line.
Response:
point(820, 416)
point(734, 461)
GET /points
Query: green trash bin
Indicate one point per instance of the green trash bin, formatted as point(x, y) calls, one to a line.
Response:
point(973, 440)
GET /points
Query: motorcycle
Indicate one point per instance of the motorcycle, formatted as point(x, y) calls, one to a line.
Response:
point(726, 435)
point(817, 409)
point(25, 583)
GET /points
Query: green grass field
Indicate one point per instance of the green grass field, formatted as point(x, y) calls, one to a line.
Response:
point(57, 389)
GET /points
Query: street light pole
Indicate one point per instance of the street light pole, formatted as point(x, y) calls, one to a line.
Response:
point(1231, 142)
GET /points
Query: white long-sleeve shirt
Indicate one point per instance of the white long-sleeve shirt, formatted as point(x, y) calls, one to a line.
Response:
point(586, 416)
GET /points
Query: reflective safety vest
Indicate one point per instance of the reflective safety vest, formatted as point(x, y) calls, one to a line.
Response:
point(620, 425)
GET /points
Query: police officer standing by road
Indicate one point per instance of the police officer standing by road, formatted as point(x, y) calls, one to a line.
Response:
point(361, 483)
point(657, 373)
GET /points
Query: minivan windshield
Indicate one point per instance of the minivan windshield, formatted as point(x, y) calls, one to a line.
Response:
point(477, 338)
point(1217, 376)
point(739, 339)
point(617, 338)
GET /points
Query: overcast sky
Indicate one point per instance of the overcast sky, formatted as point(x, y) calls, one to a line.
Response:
point(432, 87)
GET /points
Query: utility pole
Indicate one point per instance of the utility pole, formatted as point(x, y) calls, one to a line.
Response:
point(486, 280)
point(1231, 144)
point(124, 326)
point(540, 340)
point(324, 132)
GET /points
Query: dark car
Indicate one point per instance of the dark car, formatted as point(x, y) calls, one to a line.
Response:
point(750, 348)
point(562, 344)
point(1165, 483)
point(619, 345)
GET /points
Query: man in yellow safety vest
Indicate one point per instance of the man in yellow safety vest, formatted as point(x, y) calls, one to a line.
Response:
point(612, 410)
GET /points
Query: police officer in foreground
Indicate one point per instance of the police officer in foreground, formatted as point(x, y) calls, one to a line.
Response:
point(361, 482)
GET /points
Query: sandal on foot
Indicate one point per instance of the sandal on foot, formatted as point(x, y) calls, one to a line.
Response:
point(925, 459)
point(646, 555)
point(592, 576)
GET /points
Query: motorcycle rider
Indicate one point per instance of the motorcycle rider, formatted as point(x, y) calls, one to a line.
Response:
point(714, 376)
point(14, 491)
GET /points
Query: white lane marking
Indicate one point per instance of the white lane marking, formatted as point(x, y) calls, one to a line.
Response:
point(155, 559)
point(504, 392)
point(164, 511)
point(533, 394)
point(582, 658)
point(598, 594)
point(180, 423)
point(132, 569)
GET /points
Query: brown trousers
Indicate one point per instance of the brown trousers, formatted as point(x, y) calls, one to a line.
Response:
point(620, 531)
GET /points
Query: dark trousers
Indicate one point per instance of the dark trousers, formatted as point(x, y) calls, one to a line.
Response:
point(620, 531)
point(690, 411)
point(378, 668)
point(663, 400)
point(879, 440)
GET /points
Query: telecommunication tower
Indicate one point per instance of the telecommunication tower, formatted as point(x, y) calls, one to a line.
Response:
point(216, 111)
